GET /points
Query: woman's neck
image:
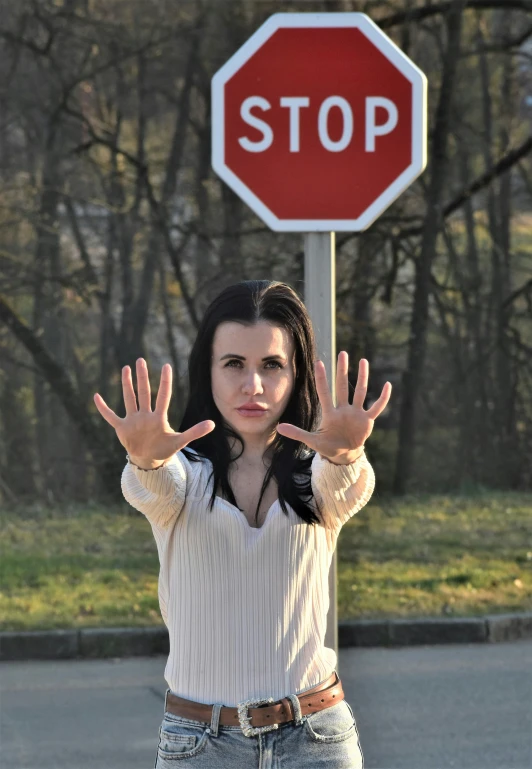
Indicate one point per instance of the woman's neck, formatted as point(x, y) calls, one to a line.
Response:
point(253, 456)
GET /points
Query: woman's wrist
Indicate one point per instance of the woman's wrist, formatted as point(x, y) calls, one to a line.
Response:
point(146, 464)
point(346, 459)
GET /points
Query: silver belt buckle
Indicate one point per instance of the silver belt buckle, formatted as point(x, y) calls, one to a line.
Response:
point(245, 719)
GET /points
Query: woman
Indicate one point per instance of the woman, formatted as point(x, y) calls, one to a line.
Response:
point(246, 524)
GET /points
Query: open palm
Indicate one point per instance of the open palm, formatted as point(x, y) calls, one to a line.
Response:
point(145, 433)
point(346, 427)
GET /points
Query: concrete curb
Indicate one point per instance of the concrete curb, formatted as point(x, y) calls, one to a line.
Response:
point(130, 642)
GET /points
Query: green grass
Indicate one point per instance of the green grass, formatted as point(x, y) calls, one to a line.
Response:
point(437, 555)
point(82, 566)
point(77, 567)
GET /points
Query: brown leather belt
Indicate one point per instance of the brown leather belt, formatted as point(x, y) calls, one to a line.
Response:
point(279, 712)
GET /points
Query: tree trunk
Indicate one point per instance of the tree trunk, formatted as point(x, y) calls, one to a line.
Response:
point(107, 460)
point(412, 378)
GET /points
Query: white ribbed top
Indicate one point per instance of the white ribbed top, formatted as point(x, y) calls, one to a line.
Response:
point(246, 609)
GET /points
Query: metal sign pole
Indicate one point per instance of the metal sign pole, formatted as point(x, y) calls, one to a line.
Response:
point(320, 300)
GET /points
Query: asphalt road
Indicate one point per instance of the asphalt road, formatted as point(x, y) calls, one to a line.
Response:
point(466, 706)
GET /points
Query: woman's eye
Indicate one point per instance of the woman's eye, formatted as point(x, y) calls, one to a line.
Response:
point(275, 363)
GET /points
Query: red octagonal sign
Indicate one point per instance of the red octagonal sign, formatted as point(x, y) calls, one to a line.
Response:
point(319, 122)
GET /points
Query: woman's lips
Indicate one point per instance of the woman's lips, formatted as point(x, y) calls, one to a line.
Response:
point(252, 412)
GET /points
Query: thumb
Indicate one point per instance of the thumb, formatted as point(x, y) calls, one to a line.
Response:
point(296, 433)
point(195, 432)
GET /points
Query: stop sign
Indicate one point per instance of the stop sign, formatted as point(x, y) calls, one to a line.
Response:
point(319, 122)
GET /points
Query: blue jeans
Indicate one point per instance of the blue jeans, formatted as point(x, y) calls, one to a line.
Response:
point(327, 739)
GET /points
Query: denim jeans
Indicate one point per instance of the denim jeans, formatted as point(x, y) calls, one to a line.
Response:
point(327, 739)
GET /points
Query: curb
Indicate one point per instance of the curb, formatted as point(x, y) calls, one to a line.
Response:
point(94, 643)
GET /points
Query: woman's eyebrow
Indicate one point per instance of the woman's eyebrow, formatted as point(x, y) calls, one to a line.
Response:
point(242, 357)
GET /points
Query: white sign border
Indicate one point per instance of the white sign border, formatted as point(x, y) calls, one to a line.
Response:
point(389, 49)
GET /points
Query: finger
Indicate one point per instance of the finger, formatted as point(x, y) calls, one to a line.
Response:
point(107, 413)
point(164, 393)
point(296, 434)
point(143, 385)
point(361, 388)
point(130, 399)
point(322, 387)
point(380, 404)
point(342, 381)
point(195, 432)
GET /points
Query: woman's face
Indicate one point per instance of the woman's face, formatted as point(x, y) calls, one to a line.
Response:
point(240, 375)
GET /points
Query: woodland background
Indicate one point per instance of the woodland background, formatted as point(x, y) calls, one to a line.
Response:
point(115, 234)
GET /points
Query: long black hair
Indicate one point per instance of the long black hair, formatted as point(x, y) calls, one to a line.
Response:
point(249, 302)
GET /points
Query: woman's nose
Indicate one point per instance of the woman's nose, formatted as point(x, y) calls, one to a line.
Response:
point(253, 383)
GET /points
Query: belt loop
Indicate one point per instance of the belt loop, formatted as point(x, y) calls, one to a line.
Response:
point(215, 719)
point(165, 699)
point(296, 708)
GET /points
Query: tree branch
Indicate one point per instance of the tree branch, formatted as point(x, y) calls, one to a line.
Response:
point(504, 164)
point(418, 14)
point(155, 207)
point(60, 383)
point(525, 289)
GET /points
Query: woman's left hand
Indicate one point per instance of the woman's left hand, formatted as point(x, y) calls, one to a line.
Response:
point(345, 428)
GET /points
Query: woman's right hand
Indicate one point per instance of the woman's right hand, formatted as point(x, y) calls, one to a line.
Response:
point(146, 434)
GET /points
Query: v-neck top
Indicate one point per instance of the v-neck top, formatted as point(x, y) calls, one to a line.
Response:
point(246, 608)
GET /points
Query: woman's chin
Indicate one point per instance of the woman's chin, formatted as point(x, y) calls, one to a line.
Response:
point(251, 425)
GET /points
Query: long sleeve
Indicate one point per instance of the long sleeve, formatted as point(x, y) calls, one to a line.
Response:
point(160, 493)
point(341, 490)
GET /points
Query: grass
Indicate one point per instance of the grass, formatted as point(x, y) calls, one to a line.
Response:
point(83, 566)
point(77, 567)
point(437, 555)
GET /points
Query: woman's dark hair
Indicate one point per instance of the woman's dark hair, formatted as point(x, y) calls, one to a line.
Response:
point(250, 302)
